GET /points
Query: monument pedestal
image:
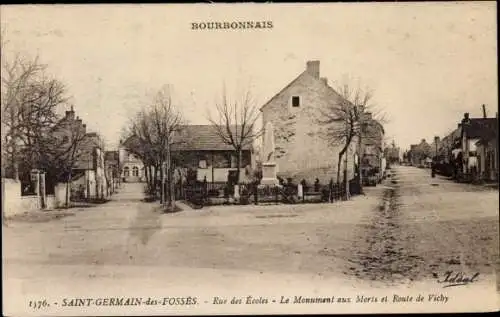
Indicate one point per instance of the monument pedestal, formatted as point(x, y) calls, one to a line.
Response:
point(269, 174)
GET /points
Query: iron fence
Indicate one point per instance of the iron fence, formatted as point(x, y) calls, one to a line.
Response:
point(205, 193)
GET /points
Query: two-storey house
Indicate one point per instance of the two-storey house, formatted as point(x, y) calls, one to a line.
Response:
point(303, 151)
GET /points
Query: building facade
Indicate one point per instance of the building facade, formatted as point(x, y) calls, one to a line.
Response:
point(88, 179)
point(372, 147)
point(130, 165)
point(302, 149)
point(479, 148)
point(198, 153)
point(202, 151)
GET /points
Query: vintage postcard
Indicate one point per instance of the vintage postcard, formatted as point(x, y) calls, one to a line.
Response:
point(249, 159)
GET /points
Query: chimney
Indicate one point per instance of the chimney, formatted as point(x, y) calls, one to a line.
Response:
point(324, 80)
point(70, 114)
point(312, 68)
point(484, 111)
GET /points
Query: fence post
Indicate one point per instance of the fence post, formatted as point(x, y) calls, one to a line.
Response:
point(256, 193)
point(300, 192)
point(236, 192)
point(330, 196)
point(43, 190)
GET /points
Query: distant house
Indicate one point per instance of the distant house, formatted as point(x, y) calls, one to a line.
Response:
point(419, 153)
point(112, 168)
point(199, 151)
point(479, 146)
point(392, 154)
point(130, 166)
point(302, 151)
point(447, 144)
point(372, 145)
point(88, 173)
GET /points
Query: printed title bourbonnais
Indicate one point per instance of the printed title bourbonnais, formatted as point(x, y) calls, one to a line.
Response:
point(231, 25)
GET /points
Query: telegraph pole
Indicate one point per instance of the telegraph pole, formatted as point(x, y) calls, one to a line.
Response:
point(345, 159)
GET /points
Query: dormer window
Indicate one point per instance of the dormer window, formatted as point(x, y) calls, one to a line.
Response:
point(295, 101)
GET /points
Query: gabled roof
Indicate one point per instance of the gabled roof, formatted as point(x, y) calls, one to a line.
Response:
point(300, 76)
point(197, 138)
point(284, 88)
point(204, 138)
point(482, 128)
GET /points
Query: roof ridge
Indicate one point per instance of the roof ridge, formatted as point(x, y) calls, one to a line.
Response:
point(284, 88)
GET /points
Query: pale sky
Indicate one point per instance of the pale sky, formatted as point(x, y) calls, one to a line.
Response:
point(427, 63)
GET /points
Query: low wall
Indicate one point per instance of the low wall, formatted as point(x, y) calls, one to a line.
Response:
point(60, 195)
point(13, 203)
point(11, 197)
point(30, 203)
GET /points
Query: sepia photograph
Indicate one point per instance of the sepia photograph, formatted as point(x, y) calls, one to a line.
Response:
point(214, 159)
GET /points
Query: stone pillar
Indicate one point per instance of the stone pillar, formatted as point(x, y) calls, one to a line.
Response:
point(300, 192)
point(236, 191)
point(43, 191)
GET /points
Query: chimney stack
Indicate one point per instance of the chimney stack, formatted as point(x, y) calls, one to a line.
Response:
point(312, 68)
point(484, 111)
point(70, 114)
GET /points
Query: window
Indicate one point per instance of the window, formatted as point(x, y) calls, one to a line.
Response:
point(202, 164)
point(295, 101)
point(126, 171)
point(222, 160)
point(135, 171)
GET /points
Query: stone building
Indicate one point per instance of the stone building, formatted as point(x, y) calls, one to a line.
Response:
point(131, 166)
point(197, 149)
point(88, 179)
point(302, 149)
point(372, 145)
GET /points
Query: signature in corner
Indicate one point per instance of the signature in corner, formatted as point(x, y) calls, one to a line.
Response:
point(457, 279)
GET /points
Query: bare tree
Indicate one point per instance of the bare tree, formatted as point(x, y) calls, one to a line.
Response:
point(350, 118)
point(155, 130)
point(23, 98)
point(235, 122)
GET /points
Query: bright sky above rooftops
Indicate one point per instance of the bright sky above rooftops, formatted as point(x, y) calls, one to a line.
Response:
point(427, 63)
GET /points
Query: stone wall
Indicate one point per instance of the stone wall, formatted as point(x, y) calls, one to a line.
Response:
point(13, 203)
point(11, 197)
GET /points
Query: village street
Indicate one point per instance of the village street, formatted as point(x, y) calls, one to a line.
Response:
point(408, 229)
